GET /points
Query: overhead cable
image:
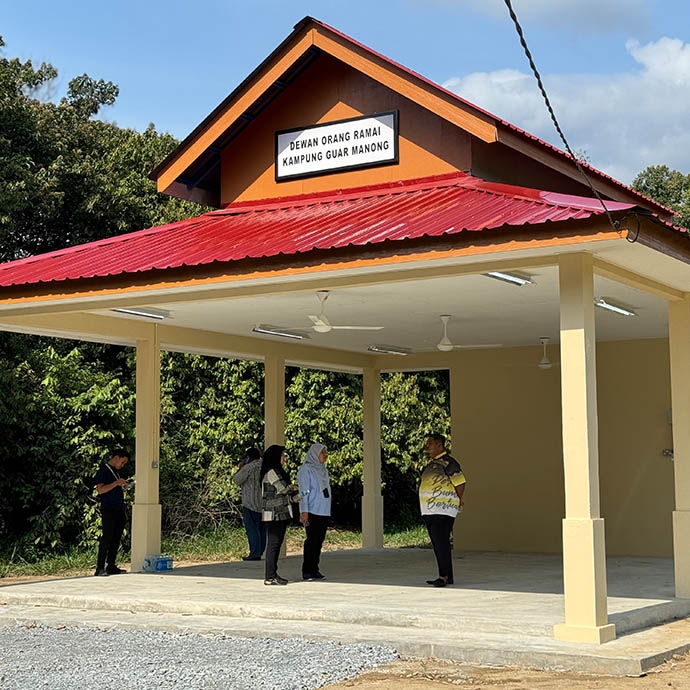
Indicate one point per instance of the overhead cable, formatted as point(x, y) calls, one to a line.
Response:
point(540, 83)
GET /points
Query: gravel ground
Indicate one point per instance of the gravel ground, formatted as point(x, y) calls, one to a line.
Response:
point(81, 659)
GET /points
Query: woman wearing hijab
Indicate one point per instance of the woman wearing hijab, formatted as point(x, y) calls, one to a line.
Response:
point(276, 509)
point(315, 507)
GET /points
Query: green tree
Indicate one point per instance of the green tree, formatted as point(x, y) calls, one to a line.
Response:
point(66, 178)
point(668, 187)
point(59, 417)
point(211, 411)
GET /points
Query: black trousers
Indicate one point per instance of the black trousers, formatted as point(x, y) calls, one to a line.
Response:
point(316, 533)
point(440, 527)
point(113, 520)
point(275, 533)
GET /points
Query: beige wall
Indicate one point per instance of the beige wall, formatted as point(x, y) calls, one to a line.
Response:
point(636, 480)
point(510, 448)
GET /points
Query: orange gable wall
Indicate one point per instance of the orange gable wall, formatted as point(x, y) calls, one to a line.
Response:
point(330, 90)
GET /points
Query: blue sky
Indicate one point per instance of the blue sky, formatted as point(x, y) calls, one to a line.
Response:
point(617, 71)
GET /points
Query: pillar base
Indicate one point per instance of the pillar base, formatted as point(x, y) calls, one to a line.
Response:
point(681, 556)
point(598, 634)
point(146, 533)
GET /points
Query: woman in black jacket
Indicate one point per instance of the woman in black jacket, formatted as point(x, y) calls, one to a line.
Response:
point(277, 500)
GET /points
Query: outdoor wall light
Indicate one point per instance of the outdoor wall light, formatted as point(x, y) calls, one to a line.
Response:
point(389, 349)
point(158, 314)
point(512, 278)
point(282, 332)
point(616, 308)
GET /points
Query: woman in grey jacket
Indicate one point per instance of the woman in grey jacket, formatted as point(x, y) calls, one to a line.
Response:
point(277, 493)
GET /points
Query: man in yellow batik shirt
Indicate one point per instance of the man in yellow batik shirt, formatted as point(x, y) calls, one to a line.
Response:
point(441, 488)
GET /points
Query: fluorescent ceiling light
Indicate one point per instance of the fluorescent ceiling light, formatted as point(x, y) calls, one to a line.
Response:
point(605, 304)
point(389, 349)
point(159, 314)
point(512, 278)
point(276, 330)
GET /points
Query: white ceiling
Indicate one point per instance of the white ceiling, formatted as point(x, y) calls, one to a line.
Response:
point(483, 310)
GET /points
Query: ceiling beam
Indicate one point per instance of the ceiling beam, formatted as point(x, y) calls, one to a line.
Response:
point(635, 280)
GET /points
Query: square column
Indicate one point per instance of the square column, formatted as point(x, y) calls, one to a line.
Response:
point(274, 408)
point(146, 512)
point(679, 343)
point(372, 500)
point(457, 394)
point(274, 400)
point(584, 552)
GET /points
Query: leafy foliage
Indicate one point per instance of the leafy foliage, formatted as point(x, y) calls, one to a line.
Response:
point(66, 178)
point(210, 413)
point(59, 418)
point(669, 187)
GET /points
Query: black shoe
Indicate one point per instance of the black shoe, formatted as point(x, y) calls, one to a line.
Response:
point(440, 582)
point(277, 580)
point(316, 576)
point(101, 572)
point(114, 570)
point(251, 558)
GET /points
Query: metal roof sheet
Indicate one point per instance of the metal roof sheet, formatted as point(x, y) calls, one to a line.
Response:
point(432, 207)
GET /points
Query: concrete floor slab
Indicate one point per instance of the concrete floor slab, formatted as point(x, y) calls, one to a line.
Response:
point(501, 611)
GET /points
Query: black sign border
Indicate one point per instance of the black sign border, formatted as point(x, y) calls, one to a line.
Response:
point(346, 168)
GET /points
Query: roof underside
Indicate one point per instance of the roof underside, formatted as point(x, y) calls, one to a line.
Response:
point(430, 208)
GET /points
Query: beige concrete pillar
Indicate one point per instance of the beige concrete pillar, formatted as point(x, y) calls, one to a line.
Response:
point(274, 400)
point(146, 512)
point(274, 408)
point(372, 500)
point(584, 553)
point(457, 394)
point(679, 342)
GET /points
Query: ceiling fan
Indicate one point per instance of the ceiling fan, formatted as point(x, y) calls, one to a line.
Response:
point(446, 344)
point(321, 323)
point(545, 363)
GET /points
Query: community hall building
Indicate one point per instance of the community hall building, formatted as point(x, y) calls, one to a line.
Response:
point(368, 220)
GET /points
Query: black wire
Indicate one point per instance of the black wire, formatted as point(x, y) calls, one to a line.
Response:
point(637, 232)
point(614, 224)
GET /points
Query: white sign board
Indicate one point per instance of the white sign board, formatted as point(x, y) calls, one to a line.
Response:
point(360, 142)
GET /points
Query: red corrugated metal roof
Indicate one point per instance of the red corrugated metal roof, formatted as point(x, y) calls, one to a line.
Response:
point(432, 207)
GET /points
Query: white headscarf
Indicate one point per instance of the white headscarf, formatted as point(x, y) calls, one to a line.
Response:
point(318, 469)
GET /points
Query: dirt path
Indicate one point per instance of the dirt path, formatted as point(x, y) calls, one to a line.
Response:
point(435, 675)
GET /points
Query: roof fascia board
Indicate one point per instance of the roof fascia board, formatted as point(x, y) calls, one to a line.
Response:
point(406, 84)
point(653, 234)
point(192, 148)
point(393, 265)
point(539, 152)
point(357, 273)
